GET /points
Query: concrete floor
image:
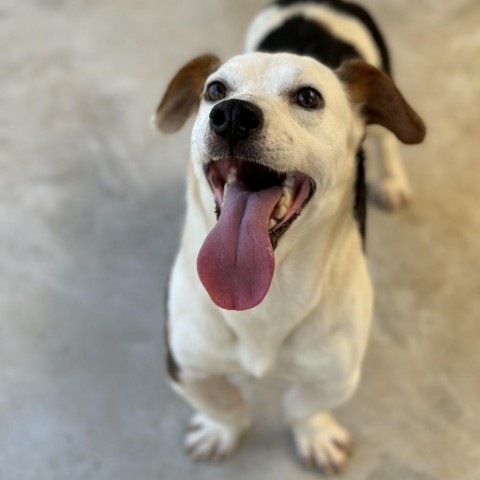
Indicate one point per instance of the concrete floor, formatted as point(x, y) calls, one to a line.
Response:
point(91, 204)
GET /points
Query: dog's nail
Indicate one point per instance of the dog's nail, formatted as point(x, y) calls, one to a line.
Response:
point(309, 460)
point(193, 427)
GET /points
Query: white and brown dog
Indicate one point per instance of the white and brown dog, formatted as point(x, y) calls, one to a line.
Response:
point(271, 277)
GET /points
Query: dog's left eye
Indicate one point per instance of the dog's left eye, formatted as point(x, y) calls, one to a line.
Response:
point(308, 97)
point(215, 91)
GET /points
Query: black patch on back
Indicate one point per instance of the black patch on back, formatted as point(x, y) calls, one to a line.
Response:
point(361, 14)
point(360, 203)
point(173, 368)
point(307, 37)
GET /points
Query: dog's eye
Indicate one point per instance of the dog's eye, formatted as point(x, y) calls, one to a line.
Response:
point(215, 91)
point(308, 97)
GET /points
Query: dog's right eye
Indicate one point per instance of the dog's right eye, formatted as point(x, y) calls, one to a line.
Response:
point(215, 91)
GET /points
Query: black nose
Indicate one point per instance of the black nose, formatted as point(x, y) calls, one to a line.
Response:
point(235, 120)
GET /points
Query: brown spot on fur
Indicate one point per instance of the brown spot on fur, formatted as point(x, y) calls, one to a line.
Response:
point(182, 96)
point(173, 368)
point(381, 101)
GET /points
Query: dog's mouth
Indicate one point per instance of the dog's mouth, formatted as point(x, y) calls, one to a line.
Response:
point(296, 189)
point(255, 206)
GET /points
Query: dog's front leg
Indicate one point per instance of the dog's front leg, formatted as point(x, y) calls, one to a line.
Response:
point(221, 419)
point(392, 189)
point(320, 441)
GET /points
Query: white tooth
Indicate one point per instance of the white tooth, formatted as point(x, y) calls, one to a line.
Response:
point(272, 223)
point(280, 213)
point(286, 199)
point(289, 181)
point(232, 175)
point(225, 188)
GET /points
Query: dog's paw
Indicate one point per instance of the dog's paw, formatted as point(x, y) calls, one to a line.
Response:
point(209, 440)
point(322, 443)
point(390, 193)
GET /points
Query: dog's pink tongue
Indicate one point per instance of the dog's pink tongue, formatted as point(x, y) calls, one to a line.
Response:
point(236, 261)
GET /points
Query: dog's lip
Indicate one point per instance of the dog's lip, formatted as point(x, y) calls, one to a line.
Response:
point(300, 187)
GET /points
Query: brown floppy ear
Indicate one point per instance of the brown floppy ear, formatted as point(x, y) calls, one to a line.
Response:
point(183, 93)
point(380, 100)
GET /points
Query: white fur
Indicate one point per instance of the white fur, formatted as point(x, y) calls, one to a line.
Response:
point(323, 146)
point(312, 327)
point(392, 189)
point(322, 442)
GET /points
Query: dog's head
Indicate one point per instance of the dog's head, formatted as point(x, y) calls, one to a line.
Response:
point(275, 134)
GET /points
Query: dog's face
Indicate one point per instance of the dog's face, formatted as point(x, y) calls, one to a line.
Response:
point(276, 119)
point(274, 133)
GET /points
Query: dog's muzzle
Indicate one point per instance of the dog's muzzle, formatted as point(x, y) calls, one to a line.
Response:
point(255, 206)
point(235, 120)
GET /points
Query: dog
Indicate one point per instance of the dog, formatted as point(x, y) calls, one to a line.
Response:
point(271, 277)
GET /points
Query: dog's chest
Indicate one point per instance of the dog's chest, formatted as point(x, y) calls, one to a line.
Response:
point(259, 346)
point(263, 338)
point(287, 350)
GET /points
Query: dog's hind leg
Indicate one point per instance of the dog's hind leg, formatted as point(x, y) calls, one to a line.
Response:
point(391, 190)
point(221, 419)
point(320, 440)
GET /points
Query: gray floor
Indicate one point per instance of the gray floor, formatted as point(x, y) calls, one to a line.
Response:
point(91, 204)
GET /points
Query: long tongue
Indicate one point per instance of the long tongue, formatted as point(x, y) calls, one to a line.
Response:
point(236, 262)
